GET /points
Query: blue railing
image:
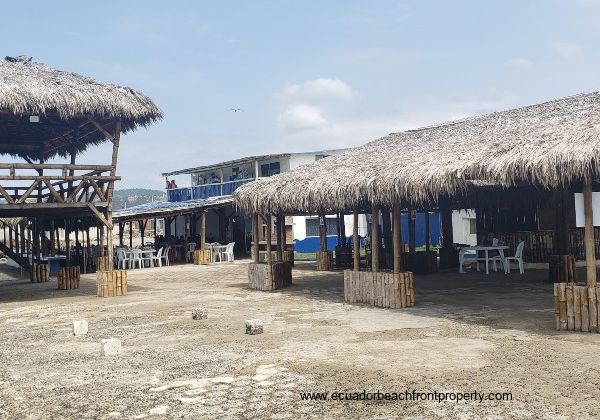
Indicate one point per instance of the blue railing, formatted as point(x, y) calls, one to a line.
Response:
point(204, 191)
point(179, 194)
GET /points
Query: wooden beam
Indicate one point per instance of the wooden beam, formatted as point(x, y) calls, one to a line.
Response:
point(590, 251)
point(202, 229)
point(6, 195)
point(27, 193)
point(103, 130)
point(98, 190)
point(100, 217)
point(280, 241)
point(54, 193)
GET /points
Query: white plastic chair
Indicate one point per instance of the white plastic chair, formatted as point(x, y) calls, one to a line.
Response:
point(467, 257)
point(518, 258)
point(165, 256)
point(215, 247)
point(122, 260)
point(227, 255)
point(135, 257)
point(157, 259)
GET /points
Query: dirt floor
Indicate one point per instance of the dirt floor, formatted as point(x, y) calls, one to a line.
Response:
point(468, 333)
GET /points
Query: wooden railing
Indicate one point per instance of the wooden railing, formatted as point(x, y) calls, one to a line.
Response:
point(16, 244)
point(72, 183)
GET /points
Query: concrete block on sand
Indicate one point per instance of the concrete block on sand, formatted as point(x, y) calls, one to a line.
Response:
point(110, 346)
point(199, 313)
point(254, 326)
point(80, 327)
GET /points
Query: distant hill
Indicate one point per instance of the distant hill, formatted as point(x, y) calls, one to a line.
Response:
point(136, 196)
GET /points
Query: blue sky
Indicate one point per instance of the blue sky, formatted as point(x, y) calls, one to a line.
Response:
point(307, 75)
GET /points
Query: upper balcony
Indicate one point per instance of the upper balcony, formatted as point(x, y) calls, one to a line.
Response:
point(205, 190)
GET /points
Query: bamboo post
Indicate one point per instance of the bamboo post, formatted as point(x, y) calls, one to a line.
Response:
point(255, 223)
point(268, 239)
point(280, 243)
point(375, 238)
point(142, 225)
point(411, 230)
point(52, 241)
point(322, 232)
point(427, 233)
point(590, 254)
point(67, 242)
point(111, 187)
point(202, 229)
point(121, 229)
point(397, 240)
point(356, 242)
point(130, 234)
point(386, 227)
point(101, 239)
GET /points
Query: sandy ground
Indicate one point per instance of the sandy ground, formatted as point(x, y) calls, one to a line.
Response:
point(467, 333)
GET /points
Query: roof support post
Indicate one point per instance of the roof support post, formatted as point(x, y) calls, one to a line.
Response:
point(279, 226)
point(255, 224)
point(110, 189)
point(397, 237)
point(322, 232)
point(268, 239)
point(427, 232)
point(412, 243)
point(356, 242)
point(590, 252)
point(202, 229)
point(375, 238)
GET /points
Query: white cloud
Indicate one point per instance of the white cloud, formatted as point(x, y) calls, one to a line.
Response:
point(519, 64)
point(301, 118)
point(318, 89)
point(303, 106)
point(567, 50)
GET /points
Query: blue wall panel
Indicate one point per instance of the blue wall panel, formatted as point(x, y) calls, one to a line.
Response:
point(311, 243)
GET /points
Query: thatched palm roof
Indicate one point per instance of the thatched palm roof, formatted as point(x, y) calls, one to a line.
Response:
point(65, 102)
point(545, 144)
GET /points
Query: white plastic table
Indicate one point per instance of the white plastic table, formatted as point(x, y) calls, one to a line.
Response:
point(487, 250)
point(129, 253)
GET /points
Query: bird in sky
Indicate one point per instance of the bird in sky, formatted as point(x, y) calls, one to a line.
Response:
point(236, 109)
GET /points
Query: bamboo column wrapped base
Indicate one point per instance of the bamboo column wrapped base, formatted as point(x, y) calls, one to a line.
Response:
point(265, 277)
point(288, 256)
point(202, 256)
point(562, 269)
point(68, 278)
point(102, 264)
point(381, 289)
point(324, 260)
point(111, 283)
point(39, 273)
point(576, 307)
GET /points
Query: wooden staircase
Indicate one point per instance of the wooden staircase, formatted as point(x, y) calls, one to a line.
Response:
point(15, 245)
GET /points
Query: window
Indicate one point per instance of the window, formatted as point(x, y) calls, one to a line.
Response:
point(472, 227)
point(312, 226)
point(269, 169)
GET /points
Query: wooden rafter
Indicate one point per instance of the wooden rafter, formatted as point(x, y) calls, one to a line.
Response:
point(98, 190)
point(100, 216)
point(6, 195)
point(57, 197)
point(103, 130)
point(27, 193)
